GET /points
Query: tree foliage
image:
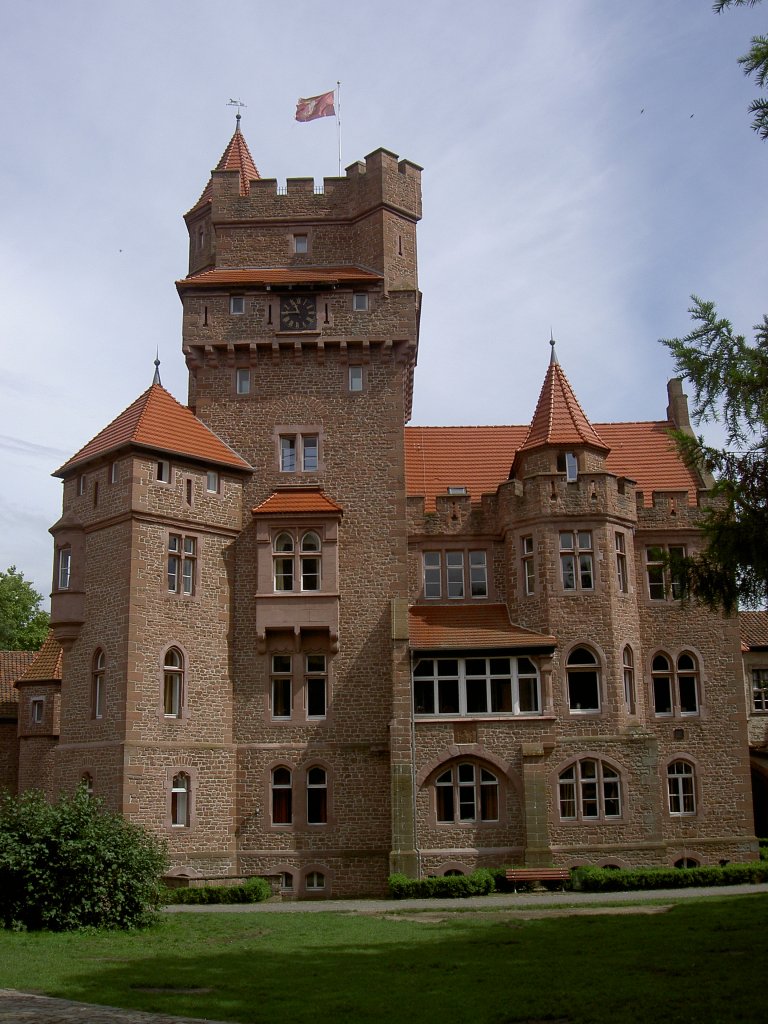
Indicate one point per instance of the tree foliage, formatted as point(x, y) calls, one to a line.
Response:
point(754, 62)
point(72, 865)
point(729, 376)
point(23, 623)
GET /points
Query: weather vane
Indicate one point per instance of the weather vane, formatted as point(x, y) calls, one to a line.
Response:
point(239, 104)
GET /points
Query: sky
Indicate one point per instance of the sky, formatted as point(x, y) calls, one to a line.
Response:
point(588, 165)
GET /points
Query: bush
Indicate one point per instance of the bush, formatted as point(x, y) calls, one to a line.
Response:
point(254, 890)
point(763, 844)
point(73, 865)
point(590, 879)
point(479, 883)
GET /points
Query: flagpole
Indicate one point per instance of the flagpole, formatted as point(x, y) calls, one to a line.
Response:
point(338, 120)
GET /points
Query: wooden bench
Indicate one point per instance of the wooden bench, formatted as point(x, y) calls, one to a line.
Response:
point(540, 875)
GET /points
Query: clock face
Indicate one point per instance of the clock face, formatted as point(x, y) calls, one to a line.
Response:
point(298, 313)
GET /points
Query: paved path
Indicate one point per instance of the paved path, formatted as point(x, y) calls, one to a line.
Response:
point(20, 1007)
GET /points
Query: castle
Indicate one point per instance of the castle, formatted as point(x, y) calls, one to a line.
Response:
point(296, 637)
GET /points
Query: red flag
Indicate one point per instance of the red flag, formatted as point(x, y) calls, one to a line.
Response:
point(315, 106)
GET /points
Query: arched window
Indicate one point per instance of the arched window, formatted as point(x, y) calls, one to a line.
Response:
point(583, 674)
point(628, 665)
point(97, 684)
point(283, 562)
point(315, 881)
point(282, 796)
point(675, 692)
point(310, 561)
point(286, 881)
point(466, 792)
point(173, 683)
point(681, 787)
point(317, 796)
point(588, 790)
point(180, 800)
point(687, 862)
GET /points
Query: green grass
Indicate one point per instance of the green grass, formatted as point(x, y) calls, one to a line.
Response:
point(701, 961)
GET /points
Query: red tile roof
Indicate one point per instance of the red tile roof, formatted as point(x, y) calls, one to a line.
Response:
point(242, 277)
point(236, 157)
point(46, 666)
point(480, 458)
point(13, 665)
point(469, 626)
point(559, 419)
point(157, 421)
point(298, 500)
point(754, 629)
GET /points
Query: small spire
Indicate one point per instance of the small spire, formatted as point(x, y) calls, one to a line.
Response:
point(553, 355)
point(156, 378)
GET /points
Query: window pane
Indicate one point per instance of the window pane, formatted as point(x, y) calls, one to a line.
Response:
point(448, 696)
point(529, 695)
point(316, 697)
point(432, 574)
point(478, 574)
point(501, 695)
point(568, 568)
point(583, 691)
point(662, 695)
point(454, 564)
point(310, 446)
point(288, 454)
point(444, 802)
point(310, 573)
point(689, 703)
point(424, 697)
point(477, 696)
point(281, 697)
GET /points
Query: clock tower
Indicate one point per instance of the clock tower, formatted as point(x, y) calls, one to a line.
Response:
point(300, 332)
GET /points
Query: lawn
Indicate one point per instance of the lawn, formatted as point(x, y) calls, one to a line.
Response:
point(700, 961)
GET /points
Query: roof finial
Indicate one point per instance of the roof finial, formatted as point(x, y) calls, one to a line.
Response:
point(156, 378)
point(239, 104)
point(553, 355)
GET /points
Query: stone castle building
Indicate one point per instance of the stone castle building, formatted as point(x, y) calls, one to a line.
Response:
point(300, 638)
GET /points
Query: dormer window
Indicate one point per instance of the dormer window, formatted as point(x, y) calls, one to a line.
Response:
point(457, 490)
point(568, 463)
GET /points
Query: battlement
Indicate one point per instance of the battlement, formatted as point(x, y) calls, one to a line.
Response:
point(381, 180)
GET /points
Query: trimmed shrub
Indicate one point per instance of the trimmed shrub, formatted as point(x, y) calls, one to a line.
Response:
point(479, 883)
point(590, 879)
point(73, 865)
point(254, 890)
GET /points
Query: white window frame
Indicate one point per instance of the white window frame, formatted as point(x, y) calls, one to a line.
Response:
point(301, 243)
point(577, 561)
point(281, 788)
point(181, 570)
point(163, 471)
point(661, 582)
point(174, 683)
point(678, 679)
point(447, 572)
point(37, 710)
point(114, 472)
point(302, 549)
point(529, 565)
point(360, 302)
point(628, 674)
point(576, 669)
point(760, 690)
point(452, 685)
point(237, 305)
point(181, 800)
point(470, 790)
point(355, 378)
point(622, 575)
point(243, 381)
point(586, 789)
point(315, 881)
point(681, 788)
point(299, 452)
point(212, 482)
point(318, 795)
point(98, 672)
point(288, 675)
point(64, 569)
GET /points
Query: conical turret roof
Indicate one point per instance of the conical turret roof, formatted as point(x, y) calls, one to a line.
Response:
point(158, 422)
point(559, 419)
point(236, 157)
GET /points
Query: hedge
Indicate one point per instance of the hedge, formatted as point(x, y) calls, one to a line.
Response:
point(479, 883)
point(590, 879)
point(254, 890)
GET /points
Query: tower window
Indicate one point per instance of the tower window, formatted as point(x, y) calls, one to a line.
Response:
point(576, 560)
point(64, 573)
point(360, 302)
point(173, 683)
point(237, 305)
point(163, 471)
point(212, 481)
point(583, 674)
point(243, 382)
point(355, 378)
